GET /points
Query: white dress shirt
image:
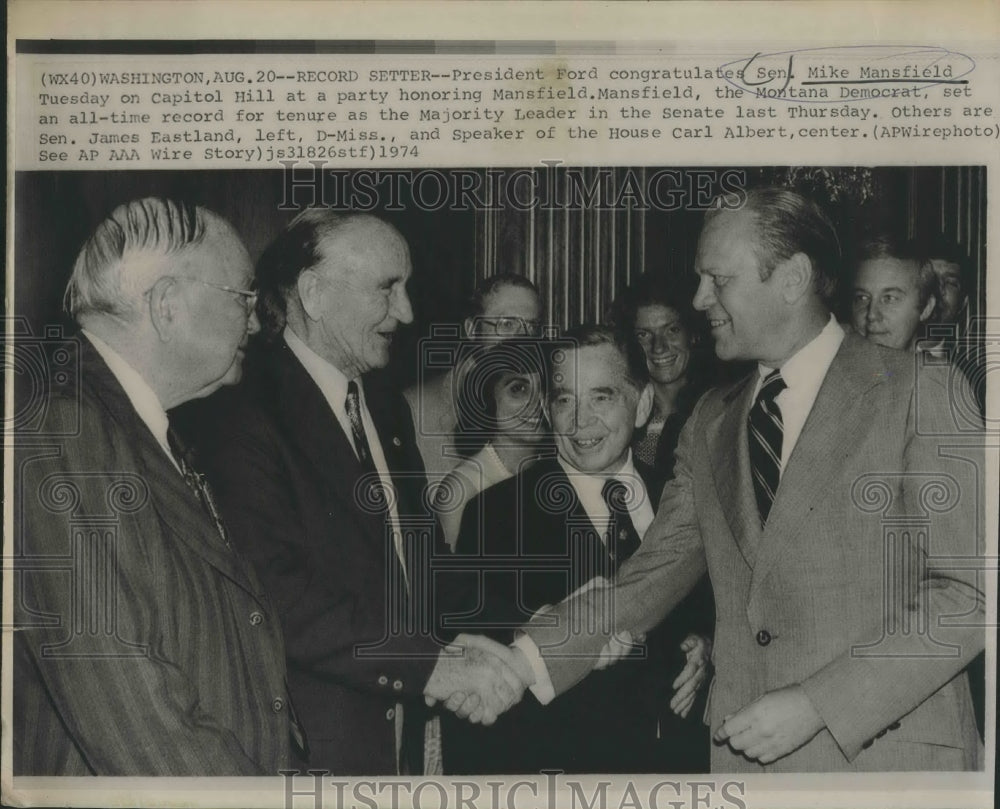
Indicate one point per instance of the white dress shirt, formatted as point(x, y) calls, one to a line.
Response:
point(803, 373)
point(588, 489)
point(333, 385)
point(146, 403)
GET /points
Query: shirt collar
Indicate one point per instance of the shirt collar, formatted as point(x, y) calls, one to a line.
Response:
point(588, 487)
point(807, 367)
point(331, 380)
point(140, 394)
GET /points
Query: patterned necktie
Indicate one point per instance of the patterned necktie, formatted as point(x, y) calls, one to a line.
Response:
point(765, 432)
point(623, 539)
point(196, 482)
point(369, 473)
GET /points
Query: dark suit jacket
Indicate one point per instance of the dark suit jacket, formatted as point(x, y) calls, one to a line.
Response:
point(533, 544)
point(148, 647)
point(851, 590)
point(286, 478)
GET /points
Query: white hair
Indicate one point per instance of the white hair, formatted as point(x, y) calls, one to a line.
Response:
point(104, 279)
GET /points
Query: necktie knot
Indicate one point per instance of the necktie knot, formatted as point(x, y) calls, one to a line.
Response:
point(622, 538)
point(178, 448)
point(617, 495)
point(772, 387)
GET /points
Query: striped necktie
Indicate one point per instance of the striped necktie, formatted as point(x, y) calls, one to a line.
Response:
point(196, 482)
point(373, 493)
point(765, 432)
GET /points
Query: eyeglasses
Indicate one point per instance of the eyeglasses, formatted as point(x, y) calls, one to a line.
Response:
point(248, 297)
point(511, 326)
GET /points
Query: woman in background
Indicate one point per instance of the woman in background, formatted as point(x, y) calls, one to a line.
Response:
point(502, 428)
point(663, 322)
point(660, 317)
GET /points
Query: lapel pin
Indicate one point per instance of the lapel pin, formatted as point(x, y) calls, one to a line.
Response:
point(396, 442)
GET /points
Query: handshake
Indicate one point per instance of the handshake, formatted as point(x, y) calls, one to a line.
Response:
point(478, 679)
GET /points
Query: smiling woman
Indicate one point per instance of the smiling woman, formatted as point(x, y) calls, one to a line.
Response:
point(502, 425)
point(658, 314)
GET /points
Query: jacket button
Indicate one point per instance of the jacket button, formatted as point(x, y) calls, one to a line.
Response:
point(383, 680)
point(397, 685)
point(390, 714)
point(894, 726)
point(867, 744)
point(277, 705)
point(763, 637)
point(256, 618)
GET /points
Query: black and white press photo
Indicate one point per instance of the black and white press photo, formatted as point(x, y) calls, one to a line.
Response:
point(499, 471)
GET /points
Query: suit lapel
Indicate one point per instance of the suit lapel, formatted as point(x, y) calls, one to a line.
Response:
point(730, 463)
point(175, 504)
point(394, 426)
point(572, 529)
point(313, 429)
point(819, 454)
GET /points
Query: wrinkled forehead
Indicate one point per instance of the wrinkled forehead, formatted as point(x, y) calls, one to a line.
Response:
point(887, 273)
point(508, 300)
point(371, 249)
point(655, 315)
point(589, 367)
point(221, 255)
point(727, 238)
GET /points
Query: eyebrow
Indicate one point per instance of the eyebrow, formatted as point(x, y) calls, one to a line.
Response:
point(880, 289)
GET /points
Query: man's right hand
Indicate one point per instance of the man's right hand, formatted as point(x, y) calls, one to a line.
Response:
point(477, 678)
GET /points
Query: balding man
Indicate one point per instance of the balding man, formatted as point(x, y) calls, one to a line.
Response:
point(147, 646)
point(318, 467)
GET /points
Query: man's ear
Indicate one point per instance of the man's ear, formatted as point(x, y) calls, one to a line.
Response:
point(796, 276)
point(644, 407)
point(310, 287)
point(164, 307)
point(928, 308)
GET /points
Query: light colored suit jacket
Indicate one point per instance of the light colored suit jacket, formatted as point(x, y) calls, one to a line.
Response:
point(862, 586)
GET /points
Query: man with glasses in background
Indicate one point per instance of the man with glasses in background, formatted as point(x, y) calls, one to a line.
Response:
point(503, 306)
point(147, 645)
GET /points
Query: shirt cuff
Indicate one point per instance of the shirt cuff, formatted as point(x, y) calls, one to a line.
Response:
point(542, 688)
